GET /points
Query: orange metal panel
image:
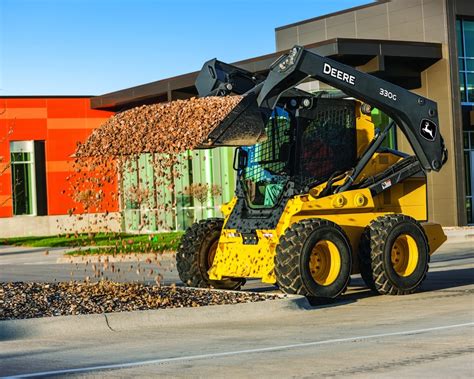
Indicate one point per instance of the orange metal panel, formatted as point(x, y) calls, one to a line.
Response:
point(59, 166)
point(61, 144)
point(23, 103)
point(25, 113)
point(94, 123)
point(24, 130)
point(59, 200)
point(67, 108)
point(4, 199)
point(67, 123)
point(6, 211)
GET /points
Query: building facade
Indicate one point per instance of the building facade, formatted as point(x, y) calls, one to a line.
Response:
point(38, 135)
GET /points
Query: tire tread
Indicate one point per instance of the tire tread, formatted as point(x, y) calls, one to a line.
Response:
point(371, 254)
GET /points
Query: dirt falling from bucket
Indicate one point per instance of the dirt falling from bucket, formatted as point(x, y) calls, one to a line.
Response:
point(165, 131)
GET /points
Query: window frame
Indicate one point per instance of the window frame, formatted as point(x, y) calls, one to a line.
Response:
point(462, 56)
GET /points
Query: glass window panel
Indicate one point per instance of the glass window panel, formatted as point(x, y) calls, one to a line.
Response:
point(469, 64)
point(469, 211)
point(462, 86)
point(466, 140)
point(461, 64)
point(470, 87)
point(468, 29)
point(472, 140)
point(16, 157)
point(21, 157)
point(22, 189)
point(467, 172)
point(459, 38)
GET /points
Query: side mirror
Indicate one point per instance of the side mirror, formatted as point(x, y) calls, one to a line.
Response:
point(240, 159)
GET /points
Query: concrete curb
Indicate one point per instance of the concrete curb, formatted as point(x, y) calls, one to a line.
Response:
point(69, 326)
point(457, 235)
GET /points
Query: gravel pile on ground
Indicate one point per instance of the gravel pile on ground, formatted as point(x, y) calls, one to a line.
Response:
point(169, 128)
point(29, 300)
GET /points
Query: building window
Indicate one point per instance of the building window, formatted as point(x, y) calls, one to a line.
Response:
point(28, 178)
point(23, 178)
point(469, 169)
point(465, 43)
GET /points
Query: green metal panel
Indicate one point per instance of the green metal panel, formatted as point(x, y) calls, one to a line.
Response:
point(147, 182)
point(130, 213)
point(184, 203)
point(213, 167)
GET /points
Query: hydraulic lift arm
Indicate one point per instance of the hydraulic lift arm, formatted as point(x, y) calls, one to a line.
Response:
point(416, 116)
point(217, 78)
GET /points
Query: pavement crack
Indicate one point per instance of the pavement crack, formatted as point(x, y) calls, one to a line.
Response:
point(107, 323)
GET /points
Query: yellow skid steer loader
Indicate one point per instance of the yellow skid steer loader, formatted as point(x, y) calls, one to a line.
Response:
point(318, 197)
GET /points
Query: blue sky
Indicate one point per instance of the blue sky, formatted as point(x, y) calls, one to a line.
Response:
point(90, 47)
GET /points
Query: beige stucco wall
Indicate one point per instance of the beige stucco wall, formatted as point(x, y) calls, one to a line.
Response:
point(411, 20)
point(27, 226)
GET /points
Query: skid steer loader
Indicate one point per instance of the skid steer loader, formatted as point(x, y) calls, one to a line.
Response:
point(318, 196)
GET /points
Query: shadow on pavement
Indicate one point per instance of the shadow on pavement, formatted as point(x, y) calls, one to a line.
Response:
point(435, 281)
point(446, 257)
point(448, 279)
point(10, 332)
point(32, 250)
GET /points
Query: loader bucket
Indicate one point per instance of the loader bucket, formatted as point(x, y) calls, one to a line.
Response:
point(243, 126)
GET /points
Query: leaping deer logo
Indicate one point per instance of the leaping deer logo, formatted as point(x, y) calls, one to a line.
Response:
point(428, 130)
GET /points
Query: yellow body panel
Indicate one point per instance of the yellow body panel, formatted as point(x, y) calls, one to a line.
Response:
point(435, 234)
point(351, 210)
point(365, 131)
point(235, 259)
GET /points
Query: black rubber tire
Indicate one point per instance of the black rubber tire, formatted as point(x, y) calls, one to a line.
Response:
point(192, 256)
point(293, 253)
point(375, 255)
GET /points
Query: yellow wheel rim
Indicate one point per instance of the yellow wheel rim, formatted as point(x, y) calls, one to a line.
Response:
point(325, 263)
point(404, 255)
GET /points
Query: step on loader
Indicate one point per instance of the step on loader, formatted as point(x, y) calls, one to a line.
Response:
point(319, 196)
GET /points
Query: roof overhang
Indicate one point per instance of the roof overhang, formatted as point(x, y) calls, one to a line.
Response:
point(399, 62)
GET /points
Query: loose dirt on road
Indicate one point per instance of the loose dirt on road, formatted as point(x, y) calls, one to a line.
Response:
point(29, 300)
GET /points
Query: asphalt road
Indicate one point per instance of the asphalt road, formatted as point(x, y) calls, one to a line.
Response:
point(428, 334)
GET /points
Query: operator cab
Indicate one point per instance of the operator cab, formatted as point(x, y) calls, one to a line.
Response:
point(301, 148)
